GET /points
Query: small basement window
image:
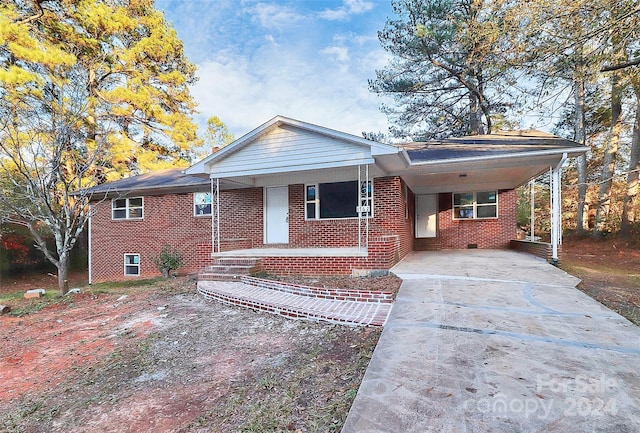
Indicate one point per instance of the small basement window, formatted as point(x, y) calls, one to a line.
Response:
point(127, 208)
point(132, 265)
point(338, 200)
point(475, 205)
point(201, 203)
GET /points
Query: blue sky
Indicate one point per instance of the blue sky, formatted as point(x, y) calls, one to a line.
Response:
point(307, 59)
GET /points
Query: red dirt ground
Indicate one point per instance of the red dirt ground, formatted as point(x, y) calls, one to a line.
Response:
point(609, 270)
point(160, 358)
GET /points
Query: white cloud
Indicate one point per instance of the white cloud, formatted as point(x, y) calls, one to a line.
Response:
point(272, 16)
point(358, 6)
point(339, 54)
point(348, 8)
point(245, 92)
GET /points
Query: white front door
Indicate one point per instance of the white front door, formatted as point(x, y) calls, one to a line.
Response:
point(276, 215)
point(426, 215)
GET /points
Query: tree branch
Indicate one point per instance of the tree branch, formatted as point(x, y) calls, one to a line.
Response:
point(632, 62)
point(35, 17)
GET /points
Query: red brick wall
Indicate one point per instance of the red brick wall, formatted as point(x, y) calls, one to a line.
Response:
point(384, 252)
point(485, 233)
point(168, 219)
point(388, 219)
point(241, 218)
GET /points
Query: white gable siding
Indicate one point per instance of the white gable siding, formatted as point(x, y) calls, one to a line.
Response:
point(286, 149)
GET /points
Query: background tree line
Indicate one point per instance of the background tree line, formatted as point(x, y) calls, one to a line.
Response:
point(90, 91)
point(464, 67)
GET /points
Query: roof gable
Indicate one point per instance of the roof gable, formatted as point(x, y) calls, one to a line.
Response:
point(287, 145)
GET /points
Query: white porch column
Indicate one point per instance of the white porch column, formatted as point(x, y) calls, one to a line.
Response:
point(363, 207)
point(215, 215)
point(556, 209)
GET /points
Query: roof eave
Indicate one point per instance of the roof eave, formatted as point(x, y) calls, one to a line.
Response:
point(129, 192)
point(570, 152)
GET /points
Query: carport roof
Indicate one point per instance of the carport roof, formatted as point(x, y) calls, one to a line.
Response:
point(494, 145)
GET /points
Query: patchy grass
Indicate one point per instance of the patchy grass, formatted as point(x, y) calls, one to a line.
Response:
point(122, 286)
point(165, 359)
point(21, 307)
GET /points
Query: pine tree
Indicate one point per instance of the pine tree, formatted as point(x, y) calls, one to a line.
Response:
point(89, 91)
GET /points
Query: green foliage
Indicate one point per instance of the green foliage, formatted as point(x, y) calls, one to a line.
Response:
point(450, 66)
point(90, 91)
point(169, 259)
point(215, 137)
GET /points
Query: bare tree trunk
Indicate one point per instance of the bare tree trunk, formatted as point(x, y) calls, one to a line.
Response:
point(63, 273)
point(608, 166)
point(628, 215)
point(474, 121)
point(582, 212)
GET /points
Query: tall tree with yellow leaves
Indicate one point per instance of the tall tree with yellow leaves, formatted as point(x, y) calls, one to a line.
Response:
point(90, 91)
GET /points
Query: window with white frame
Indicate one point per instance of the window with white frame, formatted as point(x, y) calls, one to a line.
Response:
point(338, 200)
point(475, 205)
point(127, 208)
point(132, 265)
point(201, 203)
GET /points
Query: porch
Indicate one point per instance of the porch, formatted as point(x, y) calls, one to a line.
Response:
point(293, 252)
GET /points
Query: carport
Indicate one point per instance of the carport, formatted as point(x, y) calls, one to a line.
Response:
point(498, 341)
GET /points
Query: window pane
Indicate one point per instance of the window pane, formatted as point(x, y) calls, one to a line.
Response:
point(202, 198)
point(365, 189)
point(119, 214)
point(121, 202)
point(135, 202)
point(490, 211)
point(463, 212)
point(311, 192)
point(131, 270)
point(338, 200)
point(135, 213)
point(463, 199)
point(486, 197)
point(311, 211)
point(131, 259)
point(203, 209)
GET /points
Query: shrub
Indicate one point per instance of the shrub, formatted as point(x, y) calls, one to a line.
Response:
point(169, 259)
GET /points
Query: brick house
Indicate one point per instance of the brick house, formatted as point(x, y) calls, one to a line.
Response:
point(313, 201)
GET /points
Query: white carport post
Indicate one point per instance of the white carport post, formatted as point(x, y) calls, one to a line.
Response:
point(532, 196)
point(556, 209)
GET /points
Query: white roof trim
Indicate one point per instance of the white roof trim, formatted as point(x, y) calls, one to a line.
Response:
point(489, 158)
point(292, 168)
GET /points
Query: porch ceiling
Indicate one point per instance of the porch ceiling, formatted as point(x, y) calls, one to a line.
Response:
point(477, 176)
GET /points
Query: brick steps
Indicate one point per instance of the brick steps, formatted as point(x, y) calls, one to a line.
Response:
point(321, 292)
point(299, 302)
point(230, 269)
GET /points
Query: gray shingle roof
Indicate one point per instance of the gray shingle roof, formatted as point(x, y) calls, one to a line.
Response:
point(156, 182)
point(505, 143)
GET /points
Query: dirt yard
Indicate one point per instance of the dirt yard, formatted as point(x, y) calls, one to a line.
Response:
point(609, 270)
point(160, 358)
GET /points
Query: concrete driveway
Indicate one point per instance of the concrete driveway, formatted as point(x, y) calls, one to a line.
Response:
point(498, 341)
